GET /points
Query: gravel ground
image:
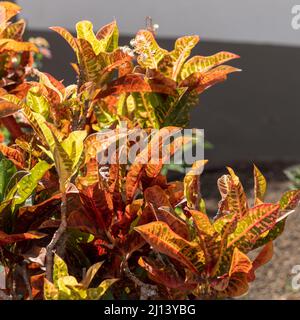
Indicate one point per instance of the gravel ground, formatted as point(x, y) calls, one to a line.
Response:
point(273, 281)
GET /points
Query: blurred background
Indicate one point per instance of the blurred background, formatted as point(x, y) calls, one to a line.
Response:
point(253, 117)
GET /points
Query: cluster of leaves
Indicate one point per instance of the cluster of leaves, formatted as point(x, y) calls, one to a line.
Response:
point(154, 236)
point(66, 287)
point(16, 59)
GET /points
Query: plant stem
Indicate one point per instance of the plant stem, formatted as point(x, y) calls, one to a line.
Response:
point(56, 237)
point(26, 280)
point(147, 290)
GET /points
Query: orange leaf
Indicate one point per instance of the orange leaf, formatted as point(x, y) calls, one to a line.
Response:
point(240, 263)
point(12, 238)
point(14, 155)
point(263, 257)
point(164, 240)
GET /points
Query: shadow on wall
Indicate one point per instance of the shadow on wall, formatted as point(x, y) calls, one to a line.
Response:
point(254, 116)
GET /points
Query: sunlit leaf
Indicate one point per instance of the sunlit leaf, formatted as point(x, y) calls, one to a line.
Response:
point(260, 186)
point(15, 30)
point(240, 263)
point(257, 221)
point(50, 291)
point(28, 183)
point(10, 9)
point(236, 198)
point(150, 54)
point(17, 46)
point(60, 269)
point(37, 102)
point(109, 36)
point(85, 31)
point(192, 184)
point(67, 36)
point(12, 154)
point(204, 64)
point(182, 50)
point(161, 237)
point(290, 200)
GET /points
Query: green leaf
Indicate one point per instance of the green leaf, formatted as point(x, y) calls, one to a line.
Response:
point(67, 155)
point(85, 31)
point(50, 291)
point(65, 285)
point(37, 102)
point(97, 293)
point(63, 165)
point(271, 235)
point(36, 120)
point(7, 170)
point(28, 183)
point(73, 145)
point(260, 186)
point(60, 269)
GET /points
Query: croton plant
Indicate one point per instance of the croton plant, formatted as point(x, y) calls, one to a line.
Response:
point(63, 214)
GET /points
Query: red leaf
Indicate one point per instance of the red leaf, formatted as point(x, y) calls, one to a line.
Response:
point(100, 203)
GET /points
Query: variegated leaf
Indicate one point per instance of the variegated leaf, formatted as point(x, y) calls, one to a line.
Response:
point(204, 64)
point(257, 221)
point(149, 52)
point(192, 191)
point(176, 58)
point(85, 31)
point(67, 36)
point(160, 236)
point(260, 186)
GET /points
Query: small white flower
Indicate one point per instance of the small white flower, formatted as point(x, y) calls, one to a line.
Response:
point(155, 27)
point(127, 50)
point(133, 42)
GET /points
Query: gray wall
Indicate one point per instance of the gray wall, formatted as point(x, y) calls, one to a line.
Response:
point(261, 21)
